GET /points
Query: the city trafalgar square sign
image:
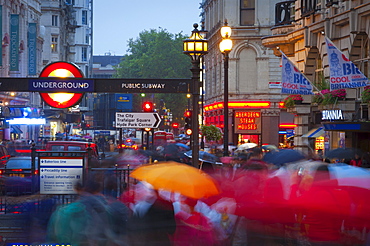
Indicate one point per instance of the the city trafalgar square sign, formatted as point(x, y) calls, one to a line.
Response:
point(137, 120)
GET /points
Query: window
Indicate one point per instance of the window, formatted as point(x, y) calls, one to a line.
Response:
point(70, 2)
point(57, 148)
point(247, 12)
point(54, 20)
point(87, 39)
point(54, 44)
point(84, 53)
point(84, 17)
point(74, 148)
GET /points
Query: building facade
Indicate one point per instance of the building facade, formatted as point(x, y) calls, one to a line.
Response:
point(300, 34)
point(36, 33)
point(254, 72)
point(67, 32)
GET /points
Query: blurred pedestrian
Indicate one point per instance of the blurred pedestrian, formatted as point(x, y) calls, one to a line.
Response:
point(357, 161)
point(366, 160)
point(88, 221)
point(255, 160)
point(323, 209)
point(192, 227)
point(152, 221)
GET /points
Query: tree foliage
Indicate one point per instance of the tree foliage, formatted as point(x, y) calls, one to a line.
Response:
point(211, 133)
point(157, 54)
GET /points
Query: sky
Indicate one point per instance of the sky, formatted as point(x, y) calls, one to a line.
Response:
point(117, 21)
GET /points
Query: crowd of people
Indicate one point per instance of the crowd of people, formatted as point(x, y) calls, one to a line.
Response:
point(258, 204)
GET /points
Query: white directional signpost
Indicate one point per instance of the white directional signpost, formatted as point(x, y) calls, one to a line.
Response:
point(58, 175)
point(137, 120)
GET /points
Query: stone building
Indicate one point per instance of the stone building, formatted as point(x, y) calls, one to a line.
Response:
point(300, 34)
point(254, 72)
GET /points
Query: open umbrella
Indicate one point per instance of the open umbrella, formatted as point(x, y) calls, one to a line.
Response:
point(183, 146)
point(347, 175)
point(177, 177)
point(343, 153)
point(205, 157)
point(283, 156)
point(246, 146)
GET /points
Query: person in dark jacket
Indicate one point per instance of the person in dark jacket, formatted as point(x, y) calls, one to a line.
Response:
point(152, 222)
point(255, 161)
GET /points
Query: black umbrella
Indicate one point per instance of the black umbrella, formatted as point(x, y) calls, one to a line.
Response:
point(343, 153)
point(204, 156)
point(283, 156)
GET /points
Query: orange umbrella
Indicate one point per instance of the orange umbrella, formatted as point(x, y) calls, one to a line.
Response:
point(177, 177)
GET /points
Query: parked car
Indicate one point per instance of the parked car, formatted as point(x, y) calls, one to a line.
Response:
point(17, 176)
point(19, 166)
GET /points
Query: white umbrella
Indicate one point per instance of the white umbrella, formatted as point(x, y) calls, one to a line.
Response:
point(246, 146)
point(348, 175)
point(230, 147)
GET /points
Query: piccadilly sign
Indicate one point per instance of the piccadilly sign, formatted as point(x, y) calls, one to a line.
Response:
point(63, 95)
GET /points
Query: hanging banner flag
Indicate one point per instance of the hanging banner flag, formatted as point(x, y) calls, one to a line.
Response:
point(343, 73)
point(32, 62)
point(293, 81)
point(14, 43)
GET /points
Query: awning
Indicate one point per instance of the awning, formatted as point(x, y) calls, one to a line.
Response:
point(314, 133)
point(15, 129)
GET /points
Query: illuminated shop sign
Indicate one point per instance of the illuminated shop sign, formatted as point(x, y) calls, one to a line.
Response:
point(332, 115)
point(27, 121)
point(247, 122)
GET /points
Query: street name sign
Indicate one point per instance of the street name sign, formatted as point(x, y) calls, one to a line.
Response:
point(60, 175)
point(137, 120)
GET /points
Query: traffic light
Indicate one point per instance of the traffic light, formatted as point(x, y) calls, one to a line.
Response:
point(85, 126)
point(148, 107)
point(188, 122)
point(175, 125)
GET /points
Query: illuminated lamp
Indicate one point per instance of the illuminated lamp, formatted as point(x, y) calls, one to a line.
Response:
point(188, 131)
point(61, 70)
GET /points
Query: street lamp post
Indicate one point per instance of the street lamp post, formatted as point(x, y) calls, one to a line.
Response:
point(225, 47)
point(195, 46)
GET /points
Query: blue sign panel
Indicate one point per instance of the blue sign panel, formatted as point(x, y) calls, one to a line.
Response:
point(14, 43)
point(123, 101)
point(289, 133)
point(57, 85)
point(32, 63)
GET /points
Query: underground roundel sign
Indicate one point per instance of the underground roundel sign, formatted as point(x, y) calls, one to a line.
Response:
point(61, 70)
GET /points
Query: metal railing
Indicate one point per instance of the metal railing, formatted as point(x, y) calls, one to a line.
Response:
point(21, 199)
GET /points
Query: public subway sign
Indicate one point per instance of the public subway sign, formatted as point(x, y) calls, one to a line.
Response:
point(247, 122)
point(332, 115)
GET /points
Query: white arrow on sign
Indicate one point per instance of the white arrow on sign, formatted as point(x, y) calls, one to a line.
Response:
point(137, 120)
